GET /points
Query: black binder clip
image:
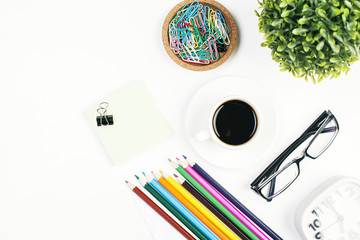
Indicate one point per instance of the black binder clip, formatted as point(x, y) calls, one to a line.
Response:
point(103, 119)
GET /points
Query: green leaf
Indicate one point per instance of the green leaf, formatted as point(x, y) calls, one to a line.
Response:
point(292, 44)
point(303, 20)
point(353, 51)
point(313, 54)
point(292, 56)
point(306, 46)
point(335, 3)
point(335, 48)
point(309, 37)
point(315, 26)
point(312, 78)
point(306, 9)
point(348, 4)
point(335, 12)
point(276, 22)
point(338, 37)
point(335, 60)
point(317, 37)
point(324, 33)
point(291, 2)
point(299, 31)
point(356, 3)
point(332, 26)
point(283, 4)
point(351, 26)
point(289, 20)
point(286, 13)
point(267, 35)
point(321, 55)
point(281, 48)
point(320, 46)
point(277, 7)
point(321, 13)
point(283, 39)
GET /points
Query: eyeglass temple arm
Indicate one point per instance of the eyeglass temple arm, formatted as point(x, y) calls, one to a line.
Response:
point(273, 167)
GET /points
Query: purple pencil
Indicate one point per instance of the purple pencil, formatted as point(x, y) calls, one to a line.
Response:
point(223, 201)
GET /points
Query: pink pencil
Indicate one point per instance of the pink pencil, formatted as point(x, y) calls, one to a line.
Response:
point(223, 201)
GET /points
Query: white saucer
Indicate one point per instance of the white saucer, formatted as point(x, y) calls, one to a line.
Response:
point(198, 121)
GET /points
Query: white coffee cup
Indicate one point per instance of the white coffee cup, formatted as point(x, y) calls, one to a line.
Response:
point(230, 123)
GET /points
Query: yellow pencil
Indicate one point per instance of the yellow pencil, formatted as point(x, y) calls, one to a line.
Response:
point(200, 207)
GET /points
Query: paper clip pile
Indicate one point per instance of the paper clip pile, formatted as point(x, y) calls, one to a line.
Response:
point(198, 33)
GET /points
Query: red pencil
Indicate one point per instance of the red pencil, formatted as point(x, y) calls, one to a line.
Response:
point(162, 213)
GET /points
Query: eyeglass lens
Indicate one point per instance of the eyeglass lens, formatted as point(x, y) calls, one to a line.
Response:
point(323, 140)
point(281, 181)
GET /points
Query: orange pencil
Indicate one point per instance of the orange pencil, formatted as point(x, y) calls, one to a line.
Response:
point(189, 206)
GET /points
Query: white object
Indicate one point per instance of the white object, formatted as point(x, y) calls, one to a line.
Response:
point(203, 104)
point(138, 123)
point(331, 212)
point(209, 134)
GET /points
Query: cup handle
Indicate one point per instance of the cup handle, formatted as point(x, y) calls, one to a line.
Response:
point(203, 136)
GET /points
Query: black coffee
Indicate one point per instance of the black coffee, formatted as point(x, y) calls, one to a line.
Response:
point(235, 122)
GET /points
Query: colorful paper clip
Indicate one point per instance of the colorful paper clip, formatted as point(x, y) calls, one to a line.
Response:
point(198, 33)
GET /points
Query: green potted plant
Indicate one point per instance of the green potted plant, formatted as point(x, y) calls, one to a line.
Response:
point(314, 39)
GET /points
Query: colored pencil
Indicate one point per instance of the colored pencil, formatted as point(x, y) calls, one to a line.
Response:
point(165, 193)
point(232, 199)
point(200, 215)
point(209, 215)
point(224, 201)
point(208, 204)
point(161, 212)
point(172, 209)
point(214, 201)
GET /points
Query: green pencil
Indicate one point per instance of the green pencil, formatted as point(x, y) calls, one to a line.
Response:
point(172, 209)
point(214, 201)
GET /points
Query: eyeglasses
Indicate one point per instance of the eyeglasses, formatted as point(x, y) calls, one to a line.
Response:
point(284, 170)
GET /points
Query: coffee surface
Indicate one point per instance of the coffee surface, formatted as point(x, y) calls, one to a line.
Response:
point(235, 122)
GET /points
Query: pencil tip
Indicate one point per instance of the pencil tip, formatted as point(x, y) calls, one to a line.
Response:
point(126, 181)
point(178, 159)
point(161, 171)
point(184, 157)
point(176, 175)
point(169, 159)
point(137, 177)
point(143, 173)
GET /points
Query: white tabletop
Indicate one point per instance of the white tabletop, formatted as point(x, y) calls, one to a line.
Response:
point(58, 58)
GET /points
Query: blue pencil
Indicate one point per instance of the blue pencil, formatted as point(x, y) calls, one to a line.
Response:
point(196, 222)
point(232, 199)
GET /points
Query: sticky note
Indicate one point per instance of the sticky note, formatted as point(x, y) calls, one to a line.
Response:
point(138, 123)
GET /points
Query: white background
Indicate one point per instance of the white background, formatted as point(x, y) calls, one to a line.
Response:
point(58, 58)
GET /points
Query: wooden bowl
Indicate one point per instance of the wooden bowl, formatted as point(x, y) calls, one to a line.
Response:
point(223, 55)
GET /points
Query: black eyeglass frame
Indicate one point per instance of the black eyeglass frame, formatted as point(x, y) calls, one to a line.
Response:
point(272, 171)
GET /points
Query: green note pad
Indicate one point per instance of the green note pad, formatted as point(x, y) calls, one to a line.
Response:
point(137, 126)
